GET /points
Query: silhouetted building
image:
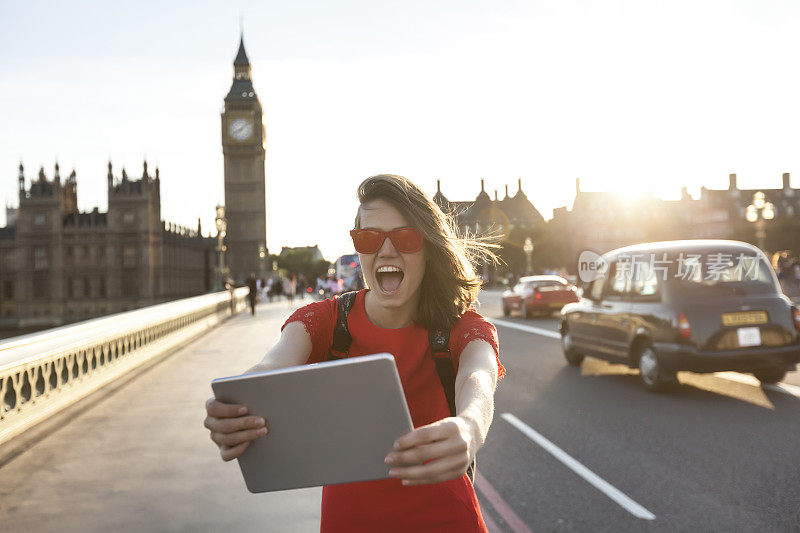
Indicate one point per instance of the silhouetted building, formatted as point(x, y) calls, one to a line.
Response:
point(514, 219)
point(59, 265)
point(602, 221)
point(312, 252)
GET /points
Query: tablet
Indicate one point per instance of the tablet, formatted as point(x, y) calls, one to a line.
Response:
point(329, 423)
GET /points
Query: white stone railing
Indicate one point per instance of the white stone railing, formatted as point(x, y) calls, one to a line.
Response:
point(45, 372)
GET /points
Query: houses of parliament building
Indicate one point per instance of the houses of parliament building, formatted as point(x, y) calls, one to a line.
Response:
point(59, 265)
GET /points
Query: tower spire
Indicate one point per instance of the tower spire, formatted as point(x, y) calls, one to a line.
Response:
point(241, 66)
point(241, 55)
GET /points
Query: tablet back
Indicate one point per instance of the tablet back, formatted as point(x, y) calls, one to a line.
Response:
point(328, 423)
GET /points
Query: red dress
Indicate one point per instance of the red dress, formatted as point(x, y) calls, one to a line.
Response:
point(387, 505)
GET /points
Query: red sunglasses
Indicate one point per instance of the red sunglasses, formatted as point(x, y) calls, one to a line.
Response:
point(369, 241)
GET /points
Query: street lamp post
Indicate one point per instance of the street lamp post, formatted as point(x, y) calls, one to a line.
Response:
point(222, 226)
point(758, 213)
point(262, 259)
point(528, 249)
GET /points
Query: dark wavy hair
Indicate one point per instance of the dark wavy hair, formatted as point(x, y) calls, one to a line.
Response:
point(450, 284)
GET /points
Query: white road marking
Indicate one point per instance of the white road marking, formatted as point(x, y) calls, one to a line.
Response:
point(785, 388)
point(593, 479)
point(529, 329)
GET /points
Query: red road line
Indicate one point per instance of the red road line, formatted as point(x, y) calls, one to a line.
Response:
point(500, 506)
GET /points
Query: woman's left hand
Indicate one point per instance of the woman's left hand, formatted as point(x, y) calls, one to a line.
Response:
point(433, 453)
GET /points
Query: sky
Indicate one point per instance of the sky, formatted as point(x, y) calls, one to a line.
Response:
point(625, 95)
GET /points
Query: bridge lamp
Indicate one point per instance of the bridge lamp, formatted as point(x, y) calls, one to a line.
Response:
point(758, 213)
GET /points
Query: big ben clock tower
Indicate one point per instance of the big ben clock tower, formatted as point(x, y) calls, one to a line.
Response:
point(243, 150)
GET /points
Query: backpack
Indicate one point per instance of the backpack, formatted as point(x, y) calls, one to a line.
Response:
point(438, 340)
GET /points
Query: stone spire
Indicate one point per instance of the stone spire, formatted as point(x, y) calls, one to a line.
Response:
point(440, 198)
point(241, 55)
point(482, 196)
point(519, 194)
point(241, 65)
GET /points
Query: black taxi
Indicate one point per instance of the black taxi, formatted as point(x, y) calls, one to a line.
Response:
point(693, 305)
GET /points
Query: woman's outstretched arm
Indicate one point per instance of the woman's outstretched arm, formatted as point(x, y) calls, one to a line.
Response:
point(452, 441)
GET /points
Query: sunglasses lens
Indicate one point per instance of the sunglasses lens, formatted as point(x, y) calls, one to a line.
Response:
point(367, 241)
point(407, 240)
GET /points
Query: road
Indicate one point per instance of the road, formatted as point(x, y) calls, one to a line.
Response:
point(570, 449)
point(719, 453)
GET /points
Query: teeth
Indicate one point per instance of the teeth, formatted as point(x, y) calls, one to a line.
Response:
point(388, 269)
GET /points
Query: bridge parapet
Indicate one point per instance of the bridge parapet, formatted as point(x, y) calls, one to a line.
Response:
point(42, 373)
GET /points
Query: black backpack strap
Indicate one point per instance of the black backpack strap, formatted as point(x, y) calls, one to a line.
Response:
point(439, 341)
point(341, 335)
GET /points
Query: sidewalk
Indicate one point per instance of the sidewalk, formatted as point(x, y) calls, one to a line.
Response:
point(139, 459)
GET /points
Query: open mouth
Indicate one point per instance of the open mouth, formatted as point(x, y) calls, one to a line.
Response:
point(389, 278)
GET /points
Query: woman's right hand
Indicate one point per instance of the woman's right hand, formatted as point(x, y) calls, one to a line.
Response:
point(231, 428)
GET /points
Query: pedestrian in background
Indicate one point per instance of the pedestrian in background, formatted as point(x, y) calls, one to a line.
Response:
point(302, 286)
point(290, 287)
point(270, 291)
point(252, 284)
point(230, 286)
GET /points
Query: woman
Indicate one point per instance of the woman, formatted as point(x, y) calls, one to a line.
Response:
point(419, 277)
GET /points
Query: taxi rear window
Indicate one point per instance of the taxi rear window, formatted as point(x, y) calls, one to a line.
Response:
point(722, 271)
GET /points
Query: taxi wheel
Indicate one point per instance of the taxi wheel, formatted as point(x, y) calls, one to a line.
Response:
point(654, 377)
point(506, 310)
point(573, 358)
point(770, 376)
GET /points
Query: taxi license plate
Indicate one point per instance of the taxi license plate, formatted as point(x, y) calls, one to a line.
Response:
point(749, 337)
point(744, 318)
point(557, 305)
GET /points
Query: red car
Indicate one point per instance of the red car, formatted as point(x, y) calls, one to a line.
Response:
point(539, 295)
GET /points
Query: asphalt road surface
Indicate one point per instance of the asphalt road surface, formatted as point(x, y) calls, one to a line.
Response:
point(570, 449)
point(589, 449)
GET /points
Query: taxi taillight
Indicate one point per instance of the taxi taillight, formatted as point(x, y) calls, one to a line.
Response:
point(685, 329)
point(796, 317)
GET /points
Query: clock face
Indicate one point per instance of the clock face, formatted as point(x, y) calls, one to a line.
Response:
point(241, 129)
